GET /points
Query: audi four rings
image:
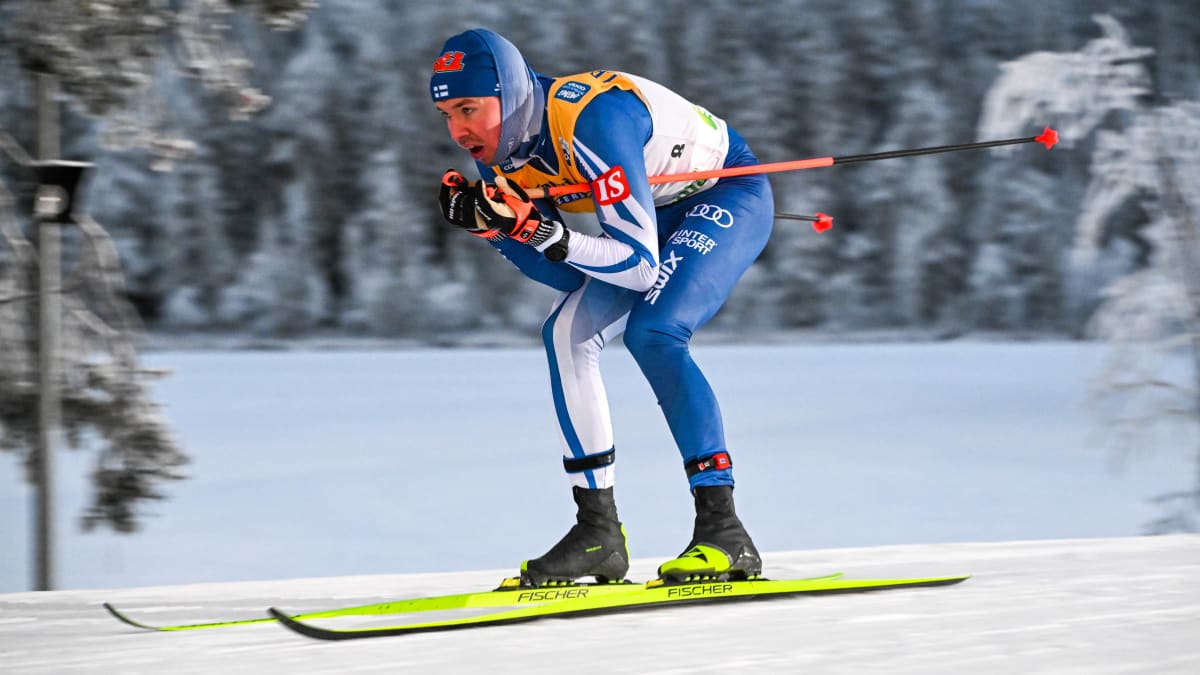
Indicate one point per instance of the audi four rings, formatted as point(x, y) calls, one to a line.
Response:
point(718, 215)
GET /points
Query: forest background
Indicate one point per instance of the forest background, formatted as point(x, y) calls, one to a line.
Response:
point(318, 217)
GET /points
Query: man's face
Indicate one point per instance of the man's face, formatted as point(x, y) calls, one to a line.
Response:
point(474, 123)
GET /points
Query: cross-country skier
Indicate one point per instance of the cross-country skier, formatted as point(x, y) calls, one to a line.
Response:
point(668, 258)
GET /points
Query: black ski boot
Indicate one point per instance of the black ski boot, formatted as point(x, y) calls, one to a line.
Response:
point(595, 546)
point(721, 548)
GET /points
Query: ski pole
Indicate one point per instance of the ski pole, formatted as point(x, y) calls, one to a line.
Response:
point(1048, 138)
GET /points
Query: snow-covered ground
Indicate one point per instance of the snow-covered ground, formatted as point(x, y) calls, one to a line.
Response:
point(328, 464)
point(1084, 606)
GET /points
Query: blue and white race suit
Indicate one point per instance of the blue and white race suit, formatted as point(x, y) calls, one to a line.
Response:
point(667, 259)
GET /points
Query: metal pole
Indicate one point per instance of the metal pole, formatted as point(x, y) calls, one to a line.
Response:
point(49, 318)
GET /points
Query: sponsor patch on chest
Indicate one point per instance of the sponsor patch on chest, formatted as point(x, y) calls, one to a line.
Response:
point(572, 91)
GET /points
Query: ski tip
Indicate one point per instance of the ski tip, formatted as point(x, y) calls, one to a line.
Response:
point(314, 632)
point(126, 620)
point(286, 620)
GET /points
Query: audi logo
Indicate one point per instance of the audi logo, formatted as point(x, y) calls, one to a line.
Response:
point(718, 215)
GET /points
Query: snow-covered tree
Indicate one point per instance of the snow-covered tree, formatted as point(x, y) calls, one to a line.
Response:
point(279, 289)
point(1016, 277)
point(104, 57)
point(1154, 312)
point(917, 204)
point(1144, 163)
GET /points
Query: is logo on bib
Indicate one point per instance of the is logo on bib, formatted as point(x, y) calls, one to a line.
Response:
point(611, 187)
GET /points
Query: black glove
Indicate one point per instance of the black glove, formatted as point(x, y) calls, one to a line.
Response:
point(507, 208)
point(457, 198)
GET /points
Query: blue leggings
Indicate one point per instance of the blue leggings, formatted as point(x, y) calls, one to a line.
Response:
point(706, 243)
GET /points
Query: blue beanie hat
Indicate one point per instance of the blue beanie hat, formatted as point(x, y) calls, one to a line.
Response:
point(465, 68)
point(479, 63)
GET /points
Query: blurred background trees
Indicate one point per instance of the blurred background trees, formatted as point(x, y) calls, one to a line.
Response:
point(1142, 207)
point(335, 174)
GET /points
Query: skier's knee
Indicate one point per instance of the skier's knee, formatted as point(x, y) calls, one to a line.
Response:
point(558, 336)
point(649, 342)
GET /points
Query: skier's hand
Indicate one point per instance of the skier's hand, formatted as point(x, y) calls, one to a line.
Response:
point(457, 198)
point(507, 208)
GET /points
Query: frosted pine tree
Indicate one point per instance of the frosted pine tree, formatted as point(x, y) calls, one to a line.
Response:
point(790, 277)
point(104, 57)
point(920, 213)
point(1143, 207)
point(1153, 313)
point(279, 291)
point(387, 255)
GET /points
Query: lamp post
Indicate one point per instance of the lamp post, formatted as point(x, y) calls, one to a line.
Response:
point(53, 205)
